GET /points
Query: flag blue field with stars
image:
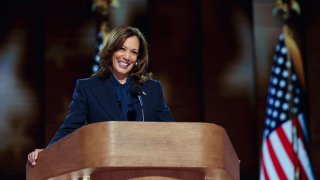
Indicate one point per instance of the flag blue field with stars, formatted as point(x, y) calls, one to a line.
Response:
point(99, 46)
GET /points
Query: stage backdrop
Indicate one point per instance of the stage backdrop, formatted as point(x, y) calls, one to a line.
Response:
point(212, 57)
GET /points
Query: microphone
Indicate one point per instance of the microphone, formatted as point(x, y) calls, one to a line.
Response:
point(138, 91)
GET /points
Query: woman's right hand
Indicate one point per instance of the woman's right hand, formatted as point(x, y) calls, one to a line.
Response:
point(32, 157)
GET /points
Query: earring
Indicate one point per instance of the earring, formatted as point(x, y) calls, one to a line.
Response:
point(136, 63)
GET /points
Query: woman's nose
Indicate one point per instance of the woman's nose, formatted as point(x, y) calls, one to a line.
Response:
point(127, 55)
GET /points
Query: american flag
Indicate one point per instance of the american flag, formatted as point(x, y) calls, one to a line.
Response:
point(101, 37)
point(99, 46)
point(285, 138)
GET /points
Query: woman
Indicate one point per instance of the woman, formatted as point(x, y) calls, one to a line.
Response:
point(114, 92)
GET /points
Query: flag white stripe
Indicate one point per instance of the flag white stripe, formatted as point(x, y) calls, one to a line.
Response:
point(270, 169)
point(304, 159)
point(282, 156)
point(287, 128)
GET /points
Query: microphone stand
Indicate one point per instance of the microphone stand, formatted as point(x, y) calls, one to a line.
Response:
point(141, 103)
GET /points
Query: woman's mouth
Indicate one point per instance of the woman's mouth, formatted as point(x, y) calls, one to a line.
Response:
point(123, 64)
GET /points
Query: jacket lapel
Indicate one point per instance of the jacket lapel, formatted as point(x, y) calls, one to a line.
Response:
point(105, 96)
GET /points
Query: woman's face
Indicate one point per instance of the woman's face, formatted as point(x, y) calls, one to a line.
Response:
point(125, 58)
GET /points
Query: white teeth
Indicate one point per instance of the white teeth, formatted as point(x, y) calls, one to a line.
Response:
point(123, 64)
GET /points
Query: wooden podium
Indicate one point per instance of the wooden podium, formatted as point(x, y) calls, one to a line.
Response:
point(139, 151)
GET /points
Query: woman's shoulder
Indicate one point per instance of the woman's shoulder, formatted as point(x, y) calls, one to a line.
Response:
point(152, 87)
point(151, 82)
point(91, 81)
point(87, 80)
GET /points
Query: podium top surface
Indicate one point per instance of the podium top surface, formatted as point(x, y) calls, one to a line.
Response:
point(139, 145)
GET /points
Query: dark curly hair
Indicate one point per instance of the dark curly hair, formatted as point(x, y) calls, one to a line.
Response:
point(114, 41)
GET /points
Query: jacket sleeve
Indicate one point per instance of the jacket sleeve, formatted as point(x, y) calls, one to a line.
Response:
point(76, 116)
point(163, 111)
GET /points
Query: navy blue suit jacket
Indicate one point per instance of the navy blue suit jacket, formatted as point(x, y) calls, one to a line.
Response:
point(94, 100)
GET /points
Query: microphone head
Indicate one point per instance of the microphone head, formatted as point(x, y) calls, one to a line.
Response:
point(136, 90)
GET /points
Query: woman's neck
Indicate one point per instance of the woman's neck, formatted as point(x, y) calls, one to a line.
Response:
point(120, 79)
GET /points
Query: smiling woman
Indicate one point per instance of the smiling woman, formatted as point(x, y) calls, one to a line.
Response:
point(127, 45)
point(111, 93)
point(125, 58)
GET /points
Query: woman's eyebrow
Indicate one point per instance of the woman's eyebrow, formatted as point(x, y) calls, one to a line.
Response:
point(131, 49)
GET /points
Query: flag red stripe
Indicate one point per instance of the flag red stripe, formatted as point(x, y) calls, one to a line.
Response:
point(275, 161)
point(302, 169)
point(300, 136)
point(285, 142)
point(289, 149)
point(304, 143)
point(303, 175)
point(265, 173)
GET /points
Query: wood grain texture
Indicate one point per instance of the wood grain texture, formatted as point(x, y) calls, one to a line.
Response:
point(136, 150)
